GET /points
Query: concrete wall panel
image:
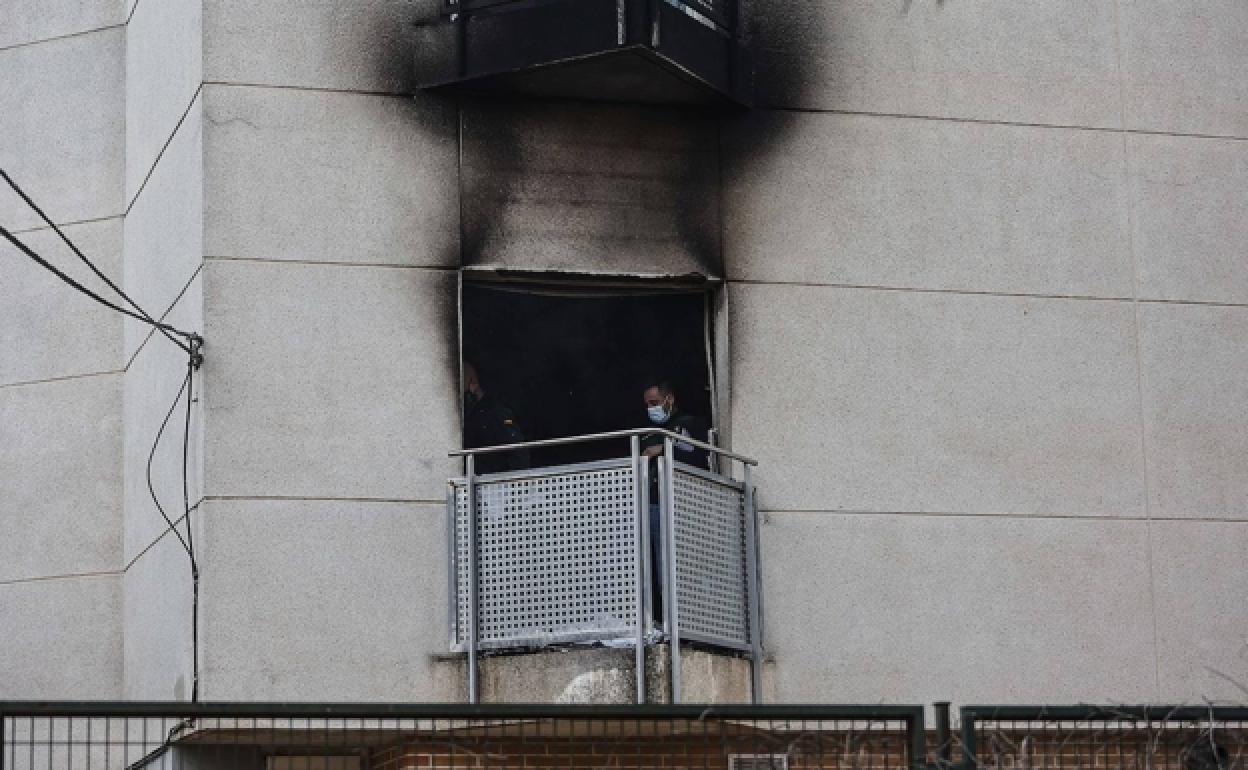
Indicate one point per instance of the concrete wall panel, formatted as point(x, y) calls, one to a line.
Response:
point(1190, 217)
point(323, 600)
point(60, 477)
point(594, 189)
point(62, 639)
point(165, 228)
point(157, 616)
point(1183, 65)
point(48, 329)
point(1195, 382)
point(61, 116)
point(26, 21)
point(164, 69)
point(912, 609)
point(330, 381)
point(927, 204)
point(335, 177)
point(1202, 628)
point(358, 46)
point(906, 401)
point(1039, 62)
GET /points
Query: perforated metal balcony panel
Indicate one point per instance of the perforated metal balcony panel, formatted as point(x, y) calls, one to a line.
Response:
point(637, 51)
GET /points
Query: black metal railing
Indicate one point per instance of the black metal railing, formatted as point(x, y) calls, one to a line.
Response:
point(1104, 737)
point(284, 736)
point(308, 736)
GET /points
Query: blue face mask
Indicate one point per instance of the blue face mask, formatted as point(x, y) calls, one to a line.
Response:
point(658, 414)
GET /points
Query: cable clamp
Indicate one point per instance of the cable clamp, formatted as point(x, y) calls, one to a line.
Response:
point(197, 346)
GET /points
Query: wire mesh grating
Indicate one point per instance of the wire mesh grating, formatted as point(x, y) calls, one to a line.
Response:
point(556, 556)
point(711, 569)
point(1155, 738)
point(516, 740)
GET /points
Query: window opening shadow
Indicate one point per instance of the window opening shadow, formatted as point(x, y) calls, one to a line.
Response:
point(567, 363)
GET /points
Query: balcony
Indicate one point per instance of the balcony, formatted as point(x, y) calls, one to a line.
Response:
point(642, 51)
point(559, 556)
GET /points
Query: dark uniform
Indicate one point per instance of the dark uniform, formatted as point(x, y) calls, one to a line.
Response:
point(686, 425)
point(488, 422)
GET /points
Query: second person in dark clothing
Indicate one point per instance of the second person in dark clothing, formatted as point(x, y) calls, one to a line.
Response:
point(488, 422)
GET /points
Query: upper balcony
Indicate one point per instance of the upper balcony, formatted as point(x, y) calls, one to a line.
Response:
point(620, 551)
point(641, 51)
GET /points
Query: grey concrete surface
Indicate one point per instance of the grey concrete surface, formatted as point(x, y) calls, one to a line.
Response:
point(164, 69)
point(322, 600)
point(359, 46)
point(329, 381)
point(905, 401)
point(164, 232)
point(601, 675)
point(62, 118)
point(28, 21)
point(1200, 576)
point(1052, 61)
point(1190, 217)
point(929, 204)
point(157, 624)
point(47, 329)
point(335, 177)
point(62, 639)
point(1195, 384)
point(151, 383)
point(598, 189)
point(1183, 65)
point(60, 477)
point(904, 608)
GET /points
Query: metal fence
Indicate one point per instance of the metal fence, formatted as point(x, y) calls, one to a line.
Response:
point(258, 736)
point(1104, 738)
point(171, 736)
point(563, 554)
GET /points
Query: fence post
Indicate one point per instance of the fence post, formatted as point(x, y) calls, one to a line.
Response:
point(969, 760)
point(944, 742)
point(918, 740)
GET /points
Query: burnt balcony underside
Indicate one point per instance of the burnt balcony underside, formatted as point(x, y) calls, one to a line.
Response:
point(639, 51)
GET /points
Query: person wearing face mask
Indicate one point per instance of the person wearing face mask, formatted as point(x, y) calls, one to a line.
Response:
point(488, 422)
point(662, 412)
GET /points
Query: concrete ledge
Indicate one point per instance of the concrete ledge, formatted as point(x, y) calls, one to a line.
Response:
point(602, 675)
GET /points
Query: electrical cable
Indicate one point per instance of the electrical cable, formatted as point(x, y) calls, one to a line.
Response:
point(13, 239)
point(186, 516)
point(99, 274)
point(188, 542)
point(192, 346)
point(186, 381)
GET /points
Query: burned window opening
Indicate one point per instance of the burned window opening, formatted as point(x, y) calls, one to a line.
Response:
point(556, 362)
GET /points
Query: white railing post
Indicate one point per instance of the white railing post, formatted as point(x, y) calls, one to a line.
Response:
point(642, 585)
point(667, 495)
point(751, 588)
point(470, 490)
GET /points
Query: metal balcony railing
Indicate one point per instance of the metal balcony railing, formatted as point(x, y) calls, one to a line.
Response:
point(562, 554)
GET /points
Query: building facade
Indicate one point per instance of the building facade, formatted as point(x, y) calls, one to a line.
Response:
point(977, 293)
